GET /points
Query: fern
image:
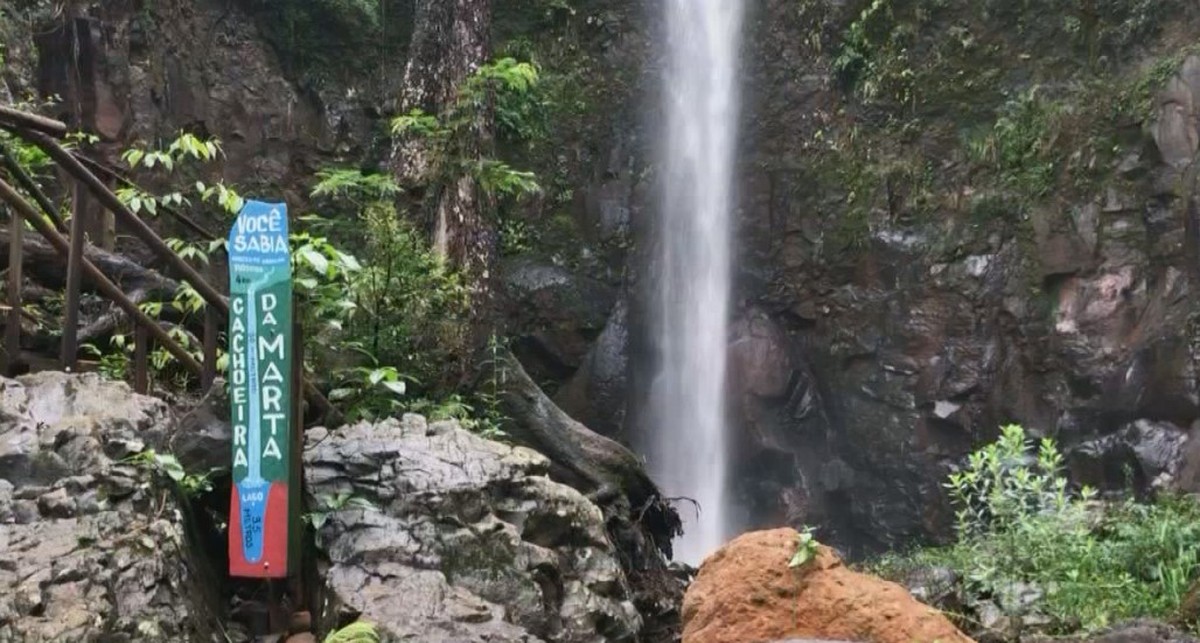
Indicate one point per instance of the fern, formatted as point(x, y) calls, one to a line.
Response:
point(338, 182)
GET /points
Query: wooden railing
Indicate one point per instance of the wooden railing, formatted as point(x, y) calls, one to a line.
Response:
point(72, 246)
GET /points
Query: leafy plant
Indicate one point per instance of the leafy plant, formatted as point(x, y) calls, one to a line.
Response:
point(395, 318)
point(502, 89)
point(806, 548)
point(329, 505)
point(1020, 526)
point(1020, 144)
point(114, 364)
point(356, 632)
point(168, 467)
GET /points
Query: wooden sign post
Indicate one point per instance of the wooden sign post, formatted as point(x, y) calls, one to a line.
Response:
point(261, 395)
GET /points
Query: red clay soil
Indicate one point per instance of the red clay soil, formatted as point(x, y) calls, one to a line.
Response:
point(745, 593)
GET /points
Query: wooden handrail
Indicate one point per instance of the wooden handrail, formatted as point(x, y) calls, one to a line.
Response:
point(68, 162)
point(25, 120)
point(27, 183)
point(106, 287)
point(39, 131)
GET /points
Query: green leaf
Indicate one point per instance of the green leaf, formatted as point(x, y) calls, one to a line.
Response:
point(315, 259)
point(339, 394)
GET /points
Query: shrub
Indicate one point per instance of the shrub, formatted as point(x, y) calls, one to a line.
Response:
point(1020, 527)
point(394, 315)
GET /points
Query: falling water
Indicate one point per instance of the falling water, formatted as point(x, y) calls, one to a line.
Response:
point(688, 451)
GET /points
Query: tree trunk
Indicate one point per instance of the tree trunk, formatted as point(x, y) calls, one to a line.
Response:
point(450, 41)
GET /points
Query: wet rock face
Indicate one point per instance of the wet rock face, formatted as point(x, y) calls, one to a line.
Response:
point(88, 547)
point(452, 538)
point(597, 393)
point(861, 377)
point(1141, 455)
point(554, 316)
point(201, 67)
point(1135, 632)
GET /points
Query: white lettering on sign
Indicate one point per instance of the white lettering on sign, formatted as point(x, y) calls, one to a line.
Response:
point(272, 374)
point(262, 243)
point(269, 222)
point(272, 348)
point(274, 419)
point(271, 356)
point(272, 449)
point(271, 397)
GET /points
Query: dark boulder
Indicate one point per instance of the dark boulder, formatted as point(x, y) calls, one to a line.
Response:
point(553, 316)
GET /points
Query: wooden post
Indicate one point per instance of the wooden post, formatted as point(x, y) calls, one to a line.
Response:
point(212, 322)
point(70, 347)
point(295, 553)
point(12, 332)
point(141, 361)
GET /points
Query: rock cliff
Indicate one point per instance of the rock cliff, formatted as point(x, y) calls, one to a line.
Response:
point(937, 234)
point(92, 545)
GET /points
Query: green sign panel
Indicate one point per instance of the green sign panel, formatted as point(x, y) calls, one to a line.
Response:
point(260, 366)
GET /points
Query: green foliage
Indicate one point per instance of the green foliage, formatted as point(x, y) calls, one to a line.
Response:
point(1000, 487)
point(806, 548)
point(329, 505)
point(911, 57)
point(114, 364)
point(357, 632)
point(354, 185)
point(399, 311)
point(176, 161)
point(865, 44)
point(481, 413)
point(504, 90)
point(1019, 525)
point(182, 152)
point(1019, 146)
point(168, 467)
point(519, 109)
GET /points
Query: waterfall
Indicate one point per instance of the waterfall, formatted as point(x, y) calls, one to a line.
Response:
point(687, 451)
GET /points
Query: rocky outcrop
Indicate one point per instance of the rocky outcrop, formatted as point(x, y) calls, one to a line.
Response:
point(899, 353)
point(597, 394)
point(438, 535)
point(89, 545)
point(1135, 632)
point(747, 592)
point(554, 316)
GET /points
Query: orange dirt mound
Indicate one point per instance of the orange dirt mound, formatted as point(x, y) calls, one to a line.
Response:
point(745, 593)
